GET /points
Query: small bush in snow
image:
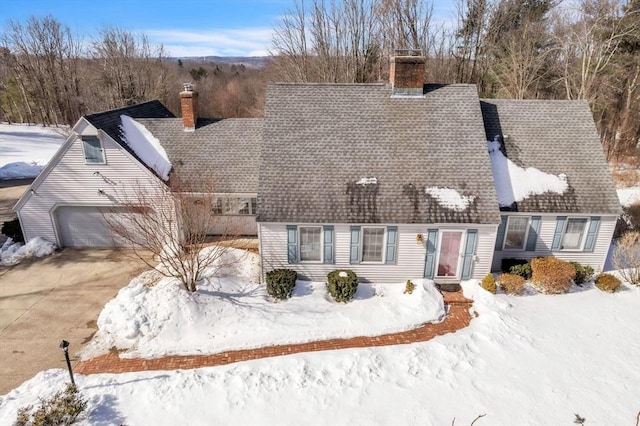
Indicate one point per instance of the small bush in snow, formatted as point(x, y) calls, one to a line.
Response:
point(12, 229)
point(280, 283)
point(551, 275)
point(511, 284)
point(63, 408)
point(607, 282)
point(583, 273)
point(489, 283)
point(409, 287)
point(523, 270)
point(626, 257)
point(342, 285)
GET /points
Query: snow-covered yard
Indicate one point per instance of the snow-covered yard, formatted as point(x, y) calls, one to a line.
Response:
point(25, 150)
point(151, 318)
point(525, 360)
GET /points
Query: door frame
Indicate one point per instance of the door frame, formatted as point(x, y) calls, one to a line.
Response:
point(457, 275)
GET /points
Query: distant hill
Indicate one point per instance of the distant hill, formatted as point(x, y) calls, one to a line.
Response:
point(248, 61)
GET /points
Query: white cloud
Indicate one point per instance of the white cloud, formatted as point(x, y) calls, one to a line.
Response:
point(219, 42)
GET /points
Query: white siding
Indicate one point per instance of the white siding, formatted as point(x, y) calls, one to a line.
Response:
point(71, 182)
point(410, 257)
point(594, 259)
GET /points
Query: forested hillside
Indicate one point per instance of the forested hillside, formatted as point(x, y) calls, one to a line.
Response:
point(523, 49)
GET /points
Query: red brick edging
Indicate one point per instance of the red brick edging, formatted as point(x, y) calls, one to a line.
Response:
point(457, 317)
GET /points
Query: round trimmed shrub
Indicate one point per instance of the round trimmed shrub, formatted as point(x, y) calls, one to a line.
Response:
point(552, 276)
point(511, 283)
point(342, 284)
point(489, 283)
point(280, 283)
point(583, 273)
point(607, 282)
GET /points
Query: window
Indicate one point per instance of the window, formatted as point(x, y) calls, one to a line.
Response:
point(93, 152)
point(372, 244)
point(573, 234)
point(235, 206)
point(516, 233)
point(310, 243)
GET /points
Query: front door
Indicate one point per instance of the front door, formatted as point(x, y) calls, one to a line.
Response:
point(449, 254)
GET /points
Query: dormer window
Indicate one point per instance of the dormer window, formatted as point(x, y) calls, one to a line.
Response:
point(93, 152)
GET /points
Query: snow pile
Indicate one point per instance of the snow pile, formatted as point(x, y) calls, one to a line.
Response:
point(367, 181)
point(531, 360)
point(25, 150)
point(13, 253)
point(514, 184)
point(146, 146)
point(629, 196)
point(450, 198)
point(234, 311)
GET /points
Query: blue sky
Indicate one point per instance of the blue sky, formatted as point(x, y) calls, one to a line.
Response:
point(185, 27)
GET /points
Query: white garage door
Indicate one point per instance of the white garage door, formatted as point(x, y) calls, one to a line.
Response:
point(86, 227)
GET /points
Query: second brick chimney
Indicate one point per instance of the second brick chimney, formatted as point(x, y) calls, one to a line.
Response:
point(406, 72)
point(189, 106)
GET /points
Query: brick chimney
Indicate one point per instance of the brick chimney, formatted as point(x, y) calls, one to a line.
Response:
point(406, 72)
point(189, 106)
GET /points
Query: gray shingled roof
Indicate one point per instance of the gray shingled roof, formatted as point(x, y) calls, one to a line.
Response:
point(555, 137)
point(223, 154)
point(320, 139)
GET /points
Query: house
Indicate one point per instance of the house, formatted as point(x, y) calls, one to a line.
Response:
point(97, 166)
point(391, 180)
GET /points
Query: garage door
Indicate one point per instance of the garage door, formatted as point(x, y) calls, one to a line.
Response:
point(86, 227)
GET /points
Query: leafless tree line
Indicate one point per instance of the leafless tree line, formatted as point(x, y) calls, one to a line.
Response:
point(51, 76)
point(521, 49)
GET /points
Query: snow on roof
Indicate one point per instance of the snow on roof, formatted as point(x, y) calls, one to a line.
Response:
point(367, 181)
point(513, 183)
point(146, 146)
point(450, 198)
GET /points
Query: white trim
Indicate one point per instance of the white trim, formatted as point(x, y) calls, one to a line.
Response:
point(526, 234)
point(384, 246)
point(463, 233)
point(583, 236)
point(321, 260)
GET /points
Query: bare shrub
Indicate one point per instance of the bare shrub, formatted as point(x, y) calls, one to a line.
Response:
point(172, 223)
point(551, 275)
point(511, 283)
point(608, 283)
point(62, 408)
point(489, 283)
point(626, 257)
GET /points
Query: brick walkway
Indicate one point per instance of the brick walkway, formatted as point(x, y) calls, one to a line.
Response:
point(458, 317)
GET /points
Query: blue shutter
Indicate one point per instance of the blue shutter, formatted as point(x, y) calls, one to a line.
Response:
point(430, 261)
point(354, 254)
point(534, 228)
point(292, 243)
point(557, 235)
point(469, 251)
point(392, 244)
point(328, 243)
point(501, 230)
point(594, 225)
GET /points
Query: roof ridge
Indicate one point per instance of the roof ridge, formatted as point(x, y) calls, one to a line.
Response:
point(112, 111)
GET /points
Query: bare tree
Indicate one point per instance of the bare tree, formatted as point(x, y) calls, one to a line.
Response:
point(43, 57)
point(172, 223)
point(132, 71)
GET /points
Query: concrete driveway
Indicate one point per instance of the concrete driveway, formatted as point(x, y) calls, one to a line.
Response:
point(54, 298)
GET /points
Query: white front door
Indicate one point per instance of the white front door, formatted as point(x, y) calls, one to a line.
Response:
point(448, 262)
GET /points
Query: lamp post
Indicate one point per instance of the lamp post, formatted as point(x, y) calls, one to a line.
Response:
point(64, 345)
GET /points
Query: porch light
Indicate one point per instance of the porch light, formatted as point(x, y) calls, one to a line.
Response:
point(420, 239)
